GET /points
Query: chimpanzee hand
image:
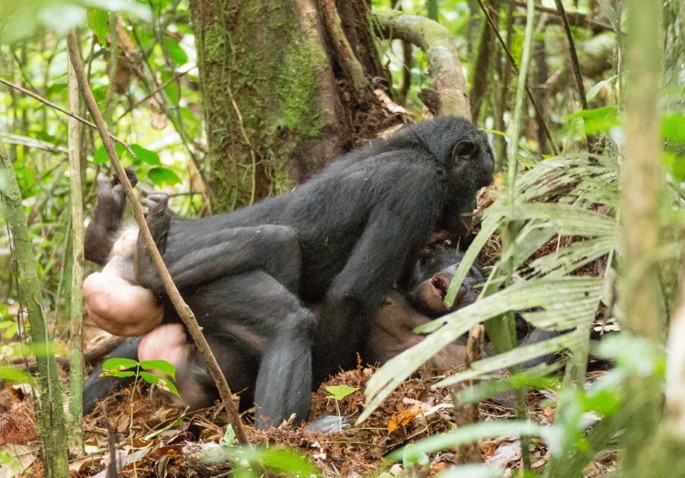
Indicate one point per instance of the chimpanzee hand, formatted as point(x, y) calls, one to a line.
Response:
point(157, 203)
point(132, 178)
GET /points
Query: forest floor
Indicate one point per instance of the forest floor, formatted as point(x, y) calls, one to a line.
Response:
point(151, 437)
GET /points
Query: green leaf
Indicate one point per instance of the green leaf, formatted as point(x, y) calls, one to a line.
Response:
point(413, 455)
point(116, 364)
point(286, 461)
point(513, 357)
point(592, 92)
point(160, 365)
point(473, 433)
point(172, 89)
point(177, 53)
point(145, 155)
point(191, 122)
point(673, 128)
point(14, 375)
point(432, 7)
point(98, 21)
point(100, 156)
point(229, 438)
point(517, 48)
point(339, 392)
point(675, 164)
point(245, 459)
point(162, 382)
point(163, 176)
point(599, 120)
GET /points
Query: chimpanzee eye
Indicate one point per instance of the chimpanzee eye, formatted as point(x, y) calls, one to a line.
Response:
point(464, 149)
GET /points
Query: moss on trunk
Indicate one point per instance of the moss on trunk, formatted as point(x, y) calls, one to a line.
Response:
point(268, 95)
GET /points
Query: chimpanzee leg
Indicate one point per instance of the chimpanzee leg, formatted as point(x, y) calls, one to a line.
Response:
point(238, 362)
point(107, 214)
point(263, 315)
point(215, 254)
point(97, 387)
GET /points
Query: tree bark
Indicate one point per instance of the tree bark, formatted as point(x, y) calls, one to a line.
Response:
point(49, 400)
point(270, 101)
point(642, 179)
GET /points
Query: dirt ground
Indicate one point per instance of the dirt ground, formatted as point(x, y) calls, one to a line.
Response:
point(151, 437)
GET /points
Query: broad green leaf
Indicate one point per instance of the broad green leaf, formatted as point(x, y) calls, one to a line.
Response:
point(119, 364)
point(160, 365)
point(161, 176)
point(517, 48)
point(276, 459)
point(229, 438)
point(98, 21)
point(14, 375)
point(673, 128)
point(145, 155)
point(21, 19)
point(101, 157)
point(162, 382)
point(432, 9)
point(413, 455)
point(512, 357)
point(675, 164)
point(177, 53)
point(599, 120)
point(473, 433)
point(286, 461)
point(118, 373)
point(339, 392)
point(592, 92)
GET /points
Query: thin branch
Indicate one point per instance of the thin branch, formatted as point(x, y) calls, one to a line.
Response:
point(181, 307)
point(574, 18)
point(512, 62)
point(76, 305)
point(54, 106)
point(574, 62)
point(155, 91)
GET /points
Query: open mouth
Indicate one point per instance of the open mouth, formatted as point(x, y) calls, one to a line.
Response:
point(441, 285)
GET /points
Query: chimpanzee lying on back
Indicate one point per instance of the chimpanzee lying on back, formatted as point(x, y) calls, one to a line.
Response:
point(342, 239)
point(111, 296)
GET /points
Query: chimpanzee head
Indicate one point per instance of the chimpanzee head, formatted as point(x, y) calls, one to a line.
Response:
point(431, 279)
point(463, 152)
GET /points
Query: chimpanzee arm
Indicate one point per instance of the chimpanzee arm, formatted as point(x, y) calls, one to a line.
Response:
point(396, 229)
point(212, 253)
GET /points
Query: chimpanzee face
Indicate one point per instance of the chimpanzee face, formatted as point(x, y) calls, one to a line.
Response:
point(471, 167)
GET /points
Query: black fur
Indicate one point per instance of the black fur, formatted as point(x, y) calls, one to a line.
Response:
point(360, 225)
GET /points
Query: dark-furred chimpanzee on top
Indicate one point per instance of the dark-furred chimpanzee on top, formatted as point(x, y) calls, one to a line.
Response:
point(346, 237)
point(122, 307)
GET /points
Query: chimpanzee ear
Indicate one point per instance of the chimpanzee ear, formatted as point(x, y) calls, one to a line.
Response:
point(464, 149)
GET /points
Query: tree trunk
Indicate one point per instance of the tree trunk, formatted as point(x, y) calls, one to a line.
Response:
point(270, 103)
point(291, 84)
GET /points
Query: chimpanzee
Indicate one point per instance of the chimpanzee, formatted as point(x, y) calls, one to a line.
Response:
point(391, 334)
point(349, 234)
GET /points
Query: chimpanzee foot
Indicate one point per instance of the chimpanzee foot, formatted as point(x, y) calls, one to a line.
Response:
point(158, 219)
point(328, 425)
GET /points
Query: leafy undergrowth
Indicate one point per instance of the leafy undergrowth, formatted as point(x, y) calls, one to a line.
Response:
point(153, 438)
